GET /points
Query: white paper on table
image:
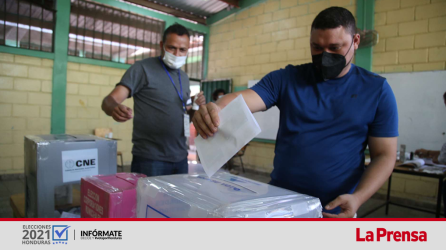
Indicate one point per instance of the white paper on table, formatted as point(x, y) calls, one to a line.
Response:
point(237, 127)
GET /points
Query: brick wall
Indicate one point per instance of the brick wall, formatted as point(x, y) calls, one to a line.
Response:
point(412, 38)
point(263, 38)
point(419, 189)
point(412, 35)
point(87, 85)
point(25, 106)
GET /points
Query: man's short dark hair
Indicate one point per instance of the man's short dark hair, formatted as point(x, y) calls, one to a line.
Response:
point(444, 95)
point(175, 29)
point(335, 17)
point(216, 92)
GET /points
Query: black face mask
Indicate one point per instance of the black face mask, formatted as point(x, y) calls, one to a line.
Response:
point(329, 65)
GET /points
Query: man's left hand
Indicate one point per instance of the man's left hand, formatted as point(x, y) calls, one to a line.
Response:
point(200, 99)
point(348, 203)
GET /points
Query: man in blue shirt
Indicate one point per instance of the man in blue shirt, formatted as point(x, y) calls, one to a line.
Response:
point(330, 110)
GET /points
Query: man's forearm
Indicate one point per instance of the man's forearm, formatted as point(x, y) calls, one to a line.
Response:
point(226, 99)
point(108, 104)
point(252, 99)
point(374, 177)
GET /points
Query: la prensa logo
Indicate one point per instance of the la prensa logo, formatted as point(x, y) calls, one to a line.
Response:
point(60, 234)
point(396, 236)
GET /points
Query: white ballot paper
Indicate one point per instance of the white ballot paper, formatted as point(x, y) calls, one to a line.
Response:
point(237, 127)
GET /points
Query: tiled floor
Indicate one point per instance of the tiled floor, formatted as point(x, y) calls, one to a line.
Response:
point(10, 187)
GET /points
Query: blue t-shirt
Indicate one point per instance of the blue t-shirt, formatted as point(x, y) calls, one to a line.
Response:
point(324, 127)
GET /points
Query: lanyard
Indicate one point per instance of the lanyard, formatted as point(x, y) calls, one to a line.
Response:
point(173, 83)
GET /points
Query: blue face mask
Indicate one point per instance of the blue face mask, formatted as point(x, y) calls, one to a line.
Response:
point(330, 65)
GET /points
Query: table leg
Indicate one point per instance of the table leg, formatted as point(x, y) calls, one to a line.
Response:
point(388, 194)
point(440, 189)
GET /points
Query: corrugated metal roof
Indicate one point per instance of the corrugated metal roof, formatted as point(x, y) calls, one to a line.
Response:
point(203, 8)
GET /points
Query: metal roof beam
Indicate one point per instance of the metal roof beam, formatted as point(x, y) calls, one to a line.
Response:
point(234, 3)
point(169, 10)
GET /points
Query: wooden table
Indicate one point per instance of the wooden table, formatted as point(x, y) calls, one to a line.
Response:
point(17, 203)
point(416, 172)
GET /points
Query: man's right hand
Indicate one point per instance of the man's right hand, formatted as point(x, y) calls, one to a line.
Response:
point(206, 120)
point(112, 106)
point(122, 113)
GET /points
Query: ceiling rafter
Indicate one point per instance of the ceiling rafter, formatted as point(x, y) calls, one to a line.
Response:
point(169, 10)
point(234, 3)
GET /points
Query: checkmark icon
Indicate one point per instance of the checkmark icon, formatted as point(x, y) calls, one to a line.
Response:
point(59, 234)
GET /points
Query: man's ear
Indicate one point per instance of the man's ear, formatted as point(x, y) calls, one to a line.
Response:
point(356, 40)
point(162, 48)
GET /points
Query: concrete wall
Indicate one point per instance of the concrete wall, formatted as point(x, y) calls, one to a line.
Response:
point(25, 106)
point(412, 35)
point(87, 85)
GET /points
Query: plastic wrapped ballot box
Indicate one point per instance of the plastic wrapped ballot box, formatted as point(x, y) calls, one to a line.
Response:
point(54, 162)
point(109, 196)
point(223, 195)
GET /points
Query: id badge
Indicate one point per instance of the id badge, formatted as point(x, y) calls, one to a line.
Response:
point(186, 125)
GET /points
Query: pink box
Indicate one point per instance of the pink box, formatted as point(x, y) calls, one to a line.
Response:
point(109, 196)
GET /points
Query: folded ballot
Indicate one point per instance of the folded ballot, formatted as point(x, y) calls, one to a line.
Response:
point(237, 127)
point(222, 196)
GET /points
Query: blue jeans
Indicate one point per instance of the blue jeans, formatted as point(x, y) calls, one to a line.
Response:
point(154, 168)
